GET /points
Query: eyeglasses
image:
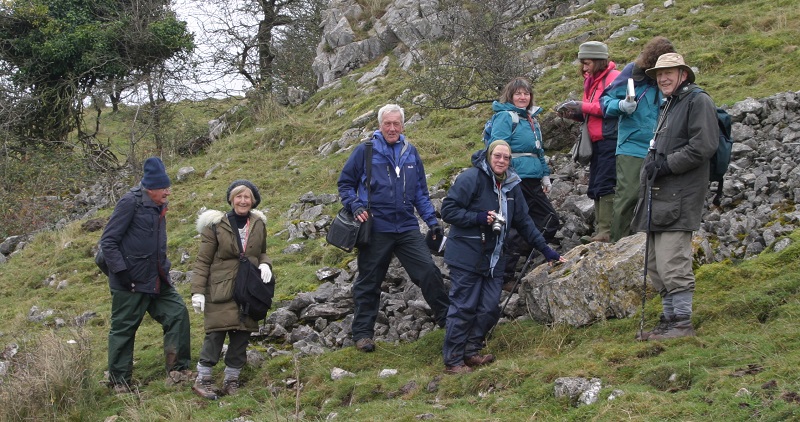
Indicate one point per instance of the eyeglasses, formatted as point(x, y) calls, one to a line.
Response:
point(501, 157)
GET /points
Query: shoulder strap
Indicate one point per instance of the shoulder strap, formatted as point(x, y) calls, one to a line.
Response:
point(514, 120)
point(235, 230)
point(137, 194)
point(368, 170)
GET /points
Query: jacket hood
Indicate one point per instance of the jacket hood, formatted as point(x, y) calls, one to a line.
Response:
point(498, 106)
point(211, 217)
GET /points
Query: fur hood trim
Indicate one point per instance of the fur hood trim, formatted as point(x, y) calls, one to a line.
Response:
point(211, 217)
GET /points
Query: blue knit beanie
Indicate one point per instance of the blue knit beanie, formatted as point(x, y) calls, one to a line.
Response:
point(155, 174)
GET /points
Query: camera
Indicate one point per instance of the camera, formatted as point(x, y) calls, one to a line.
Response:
point(498, 223)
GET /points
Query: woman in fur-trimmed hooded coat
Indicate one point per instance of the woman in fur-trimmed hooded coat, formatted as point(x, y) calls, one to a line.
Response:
point(217, 263)
point(213, 280)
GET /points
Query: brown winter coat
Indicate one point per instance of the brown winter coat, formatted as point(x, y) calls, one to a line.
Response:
point(688, 138)
point(214, 271)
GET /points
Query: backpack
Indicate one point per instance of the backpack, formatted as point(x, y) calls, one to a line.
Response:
point(100, 258)
point(487, 128)
point(722, 157)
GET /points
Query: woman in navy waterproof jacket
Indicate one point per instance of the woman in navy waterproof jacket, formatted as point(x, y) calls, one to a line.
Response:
point(483, 195)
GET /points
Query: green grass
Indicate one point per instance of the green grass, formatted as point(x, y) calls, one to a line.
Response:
point(746, 312)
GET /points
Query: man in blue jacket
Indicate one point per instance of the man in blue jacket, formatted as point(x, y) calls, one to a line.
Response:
point(398, 188)
point(134, 243)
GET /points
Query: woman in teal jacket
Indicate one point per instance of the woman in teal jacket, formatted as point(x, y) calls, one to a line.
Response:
point(527, 151)
point(637, 119)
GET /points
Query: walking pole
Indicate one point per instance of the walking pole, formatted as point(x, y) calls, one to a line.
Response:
point(516, 282)
point(649, 199)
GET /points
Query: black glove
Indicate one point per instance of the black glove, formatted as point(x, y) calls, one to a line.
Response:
point(437, 231)
point(124, 277)
point(482, 218)
point(663, 169)
point(550, 254)
point(571, 110)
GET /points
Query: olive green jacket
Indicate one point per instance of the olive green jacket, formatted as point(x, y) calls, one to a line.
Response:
point(214, 272)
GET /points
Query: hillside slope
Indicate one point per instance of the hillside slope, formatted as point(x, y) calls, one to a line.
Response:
point(742, 366)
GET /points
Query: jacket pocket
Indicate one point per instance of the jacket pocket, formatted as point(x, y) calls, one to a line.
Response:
point(139, 268)
point(666, 207)
point(221, 289)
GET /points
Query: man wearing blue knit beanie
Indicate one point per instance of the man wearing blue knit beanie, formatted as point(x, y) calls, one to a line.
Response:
point(134, 243)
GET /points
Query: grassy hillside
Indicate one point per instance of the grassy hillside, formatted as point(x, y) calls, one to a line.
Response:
point(745, 313)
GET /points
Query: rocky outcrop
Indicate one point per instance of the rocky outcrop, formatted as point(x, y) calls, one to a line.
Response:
point(599, 281)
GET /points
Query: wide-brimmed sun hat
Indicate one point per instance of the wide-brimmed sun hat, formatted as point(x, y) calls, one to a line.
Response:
point(669, 60)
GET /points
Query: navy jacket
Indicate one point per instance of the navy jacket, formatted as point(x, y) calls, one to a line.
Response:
point(475, 247)
point(135, 239)
point(398, 186)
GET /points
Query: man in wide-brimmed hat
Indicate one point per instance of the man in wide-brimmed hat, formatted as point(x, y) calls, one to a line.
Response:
point(674, 184)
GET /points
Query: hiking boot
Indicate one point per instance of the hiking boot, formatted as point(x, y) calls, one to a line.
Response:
point(365, 344)
point(204, 387)
point(660, 328)
point(478, 360)
point(457, 369)
point(121, 388)
point(230, 387)
point(184, 376)
point(603, 238)
point(681, 326)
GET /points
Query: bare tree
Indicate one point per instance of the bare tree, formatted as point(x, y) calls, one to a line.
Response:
point(245, 37)
point(478, 55)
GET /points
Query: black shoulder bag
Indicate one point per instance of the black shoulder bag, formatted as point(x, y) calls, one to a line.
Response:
point(250, 293)
point(345, 232)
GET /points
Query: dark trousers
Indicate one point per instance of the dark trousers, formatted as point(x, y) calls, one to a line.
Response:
point(474, 310)
point(603, 169)
point(127, 313)
point(373, 262)
point(540, 209)
point(235, 357)
point(545, 218)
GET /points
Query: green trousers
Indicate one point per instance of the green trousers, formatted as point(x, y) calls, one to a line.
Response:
point(627, 195)
point(127, 312)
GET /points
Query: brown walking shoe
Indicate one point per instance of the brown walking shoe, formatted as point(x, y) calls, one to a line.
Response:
point(662, 326)
point(365, 344)
point(457, 369)
point(479, 360)
point(204, 387)
point(230, 387)
point(182, 377)
point(121, 388)
point(681, 326)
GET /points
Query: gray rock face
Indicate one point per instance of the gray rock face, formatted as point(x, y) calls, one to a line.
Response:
point(407, 22)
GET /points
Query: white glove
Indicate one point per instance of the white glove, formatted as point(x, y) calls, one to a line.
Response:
point(198, 303)
point(627, 107)
point(266, 273)
point(546, 184)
